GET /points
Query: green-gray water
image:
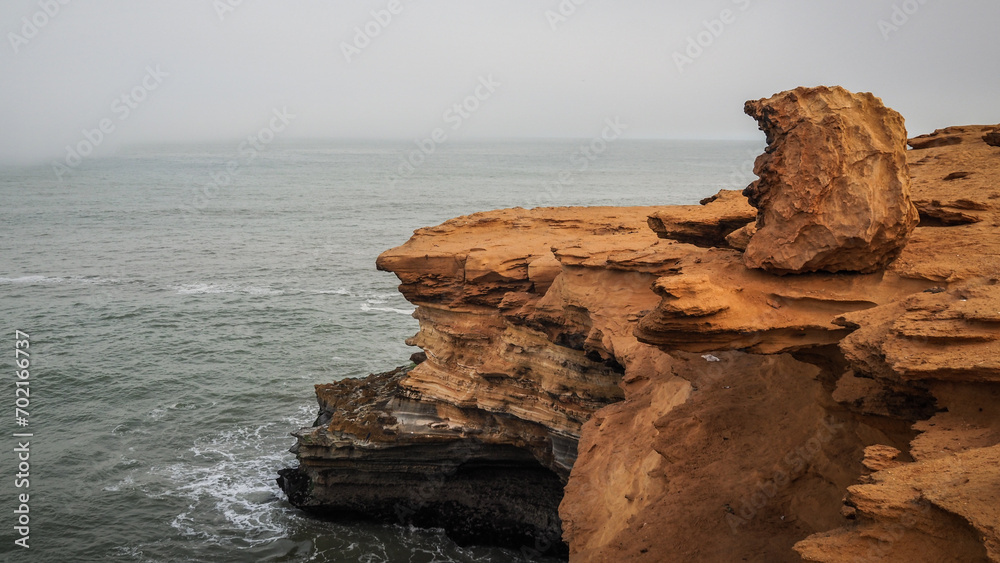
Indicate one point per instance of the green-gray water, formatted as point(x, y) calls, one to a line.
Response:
point(177, 327)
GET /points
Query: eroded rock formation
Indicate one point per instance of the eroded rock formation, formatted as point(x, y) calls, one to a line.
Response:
point(378, 451)
point(677, 405)
point(834, 190)
point(526, 321)
point(706, 225)
point(950, 136)
point(992, 138)
point(754, 461)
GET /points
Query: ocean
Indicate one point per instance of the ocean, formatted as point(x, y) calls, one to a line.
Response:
point(181, 301)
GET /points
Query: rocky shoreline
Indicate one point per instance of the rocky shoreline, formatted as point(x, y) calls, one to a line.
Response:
point(378, 452)
point(807, 370)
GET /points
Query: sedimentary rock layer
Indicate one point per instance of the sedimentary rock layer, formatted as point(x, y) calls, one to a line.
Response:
point(526, 322)
point(753, 463)
point(706, 225)
point(676, 404)
point(379, 452)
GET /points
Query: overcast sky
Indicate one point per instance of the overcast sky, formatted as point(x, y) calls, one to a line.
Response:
point(668, 69)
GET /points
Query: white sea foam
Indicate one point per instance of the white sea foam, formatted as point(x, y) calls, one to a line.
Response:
point(262, 291)
point(127, 483)
point(128, 551)
point(338, 291)
point(31, 280)
point(198, 288)
point(367, 308)
point(213, 288)
point(126, 428)
point(48, 280)
point(303, 417)
point(232, 474)
point(96, 281)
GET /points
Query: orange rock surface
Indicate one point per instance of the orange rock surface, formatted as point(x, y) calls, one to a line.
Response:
point(834, 190)
point(918, 337)
point(702, 410)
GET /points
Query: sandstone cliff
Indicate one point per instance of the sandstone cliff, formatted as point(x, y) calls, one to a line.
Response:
point(627, 366)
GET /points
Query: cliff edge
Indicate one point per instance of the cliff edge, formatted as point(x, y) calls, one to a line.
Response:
point(629, 384)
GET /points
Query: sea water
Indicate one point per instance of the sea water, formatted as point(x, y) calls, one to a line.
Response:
point(181, 301)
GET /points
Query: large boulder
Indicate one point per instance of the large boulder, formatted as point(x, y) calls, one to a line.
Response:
point(833, 192)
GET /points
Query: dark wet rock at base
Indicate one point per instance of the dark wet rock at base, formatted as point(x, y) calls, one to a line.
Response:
point(377, 455)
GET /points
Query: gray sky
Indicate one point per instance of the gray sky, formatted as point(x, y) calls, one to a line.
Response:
point(230, 63)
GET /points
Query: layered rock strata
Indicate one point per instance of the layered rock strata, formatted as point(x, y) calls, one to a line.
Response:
point(707, 225)
point(526, 321)
point(677, 405)
point(381, 453)
point(783, 457)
